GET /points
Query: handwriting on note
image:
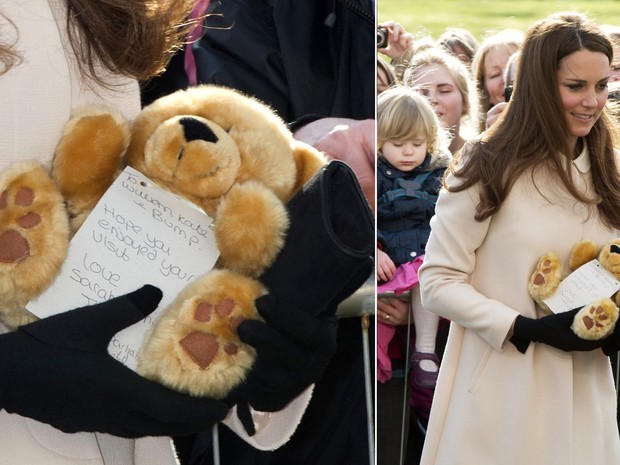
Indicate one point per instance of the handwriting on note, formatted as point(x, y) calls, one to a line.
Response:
point(137, 234)
point(586, 284)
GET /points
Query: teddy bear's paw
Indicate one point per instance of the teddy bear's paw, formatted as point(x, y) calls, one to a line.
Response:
point(596, 321)
point(545, 278)
point(33, 238)
point(195, 347)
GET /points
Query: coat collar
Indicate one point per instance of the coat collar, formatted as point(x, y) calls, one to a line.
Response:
point(582, 162)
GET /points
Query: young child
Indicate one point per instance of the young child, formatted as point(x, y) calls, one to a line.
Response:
point(413, 155)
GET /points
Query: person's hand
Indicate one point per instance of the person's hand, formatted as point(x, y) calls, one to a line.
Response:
point(554, 330)
point(612, 343)
point(327, 256)
point(393, 311)
point(399, 41)
point(349, 140)
point(293, 348)
point(494, 113)
point(58, 371)
point(385, 266)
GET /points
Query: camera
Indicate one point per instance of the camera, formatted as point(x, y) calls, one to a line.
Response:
point(382, 37)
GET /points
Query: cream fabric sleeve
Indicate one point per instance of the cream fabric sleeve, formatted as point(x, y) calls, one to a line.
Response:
point(449, 265)
point(273, 429)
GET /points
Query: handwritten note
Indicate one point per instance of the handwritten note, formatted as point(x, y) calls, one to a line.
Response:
point(137, 234)
point(586, 284)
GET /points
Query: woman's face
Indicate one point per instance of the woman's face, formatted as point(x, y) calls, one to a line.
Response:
point(436, 84)
point(582, 79)
point(494, 65)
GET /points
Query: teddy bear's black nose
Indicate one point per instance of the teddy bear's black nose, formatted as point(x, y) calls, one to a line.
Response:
point(197, 130)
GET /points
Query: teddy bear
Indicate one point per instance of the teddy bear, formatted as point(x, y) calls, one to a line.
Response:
point(226, 152)
point(596, 320)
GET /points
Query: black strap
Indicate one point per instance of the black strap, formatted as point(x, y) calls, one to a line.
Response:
point(411, 188)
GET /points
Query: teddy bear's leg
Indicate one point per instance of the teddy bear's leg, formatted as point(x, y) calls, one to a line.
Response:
point(596, 321)
point(88, 158)
point(194, 346)
point(33, 238)
point(250, 227)
point(545, 279)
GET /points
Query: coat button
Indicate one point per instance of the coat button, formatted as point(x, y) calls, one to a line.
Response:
point(412, 254)
point(388, 172)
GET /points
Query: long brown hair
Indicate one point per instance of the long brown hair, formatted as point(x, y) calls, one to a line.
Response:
point(531, 131)
point(133, 38)
point(8, 56)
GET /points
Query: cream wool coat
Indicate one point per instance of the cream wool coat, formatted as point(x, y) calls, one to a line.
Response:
point(494, 405)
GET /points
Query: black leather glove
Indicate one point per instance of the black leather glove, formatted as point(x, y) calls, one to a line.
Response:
point(327, 256)
point(58, 371)
point(554, 330)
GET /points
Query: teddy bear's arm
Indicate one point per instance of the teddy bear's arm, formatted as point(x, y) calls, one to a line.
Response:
point(250, 227)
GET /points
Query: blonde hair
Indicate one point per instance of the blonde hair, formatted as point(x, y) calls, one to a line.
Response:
point(454, 38)
point(457, 71)
point(388, 70)
point(405, 114)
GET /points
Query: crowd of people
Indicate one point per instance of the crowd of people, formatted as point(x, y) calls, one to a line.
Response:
point(464, 359)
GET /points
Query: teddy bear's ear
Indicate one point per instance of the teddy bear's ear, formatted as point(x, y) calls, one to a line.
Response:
point(308, 161)
point(88, 157)
point(582, 253)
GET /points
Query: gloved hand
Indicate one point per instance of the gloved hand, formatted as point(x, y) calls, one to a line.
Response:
point(553, 330)
point(58, 371)
point(612, 343)
point(293, 348)
point(330, 219)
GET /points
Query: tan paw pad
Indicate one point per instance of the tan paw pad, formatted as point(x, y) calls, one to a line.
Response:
point(545, 278)
point(14, 246)
point(216, 325)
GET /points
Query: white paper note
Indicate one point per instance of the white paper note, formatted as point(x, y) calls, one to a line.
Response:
point(583, 286)
point(137, 234)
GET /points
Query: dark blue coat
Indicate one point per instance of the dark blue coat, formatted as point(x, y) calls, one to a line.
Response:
point(403, 223)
